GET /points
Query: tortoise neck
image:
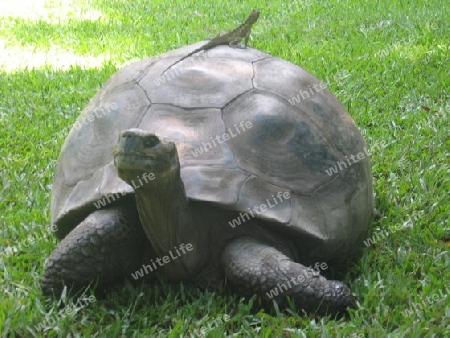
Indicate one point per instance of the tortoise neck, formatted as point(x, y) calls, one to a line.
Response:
point(168, 222)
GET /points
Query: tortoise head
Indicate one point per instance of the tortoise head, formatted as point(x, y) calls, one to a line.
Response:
point(143, 155)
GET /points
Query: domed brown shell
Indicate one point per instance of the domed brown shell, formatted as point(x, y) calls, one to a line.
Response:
point(285, 131)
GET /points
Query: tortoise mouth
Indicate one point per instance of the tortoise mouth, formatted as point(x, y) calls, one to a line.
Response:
point(142, 163)
point(134, 161)
point(136, 154)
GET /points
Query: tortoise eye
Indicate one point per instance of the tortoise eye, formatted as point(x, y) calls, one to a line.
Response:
point(151, 141)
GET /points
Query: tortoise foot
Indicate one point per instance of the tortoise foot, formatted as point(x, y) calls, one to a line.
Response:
point(103, 250)
point(258, 268)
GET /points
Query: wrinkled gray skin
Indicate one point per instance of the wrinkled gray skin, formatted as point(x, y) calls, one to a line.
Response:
point(191, 200)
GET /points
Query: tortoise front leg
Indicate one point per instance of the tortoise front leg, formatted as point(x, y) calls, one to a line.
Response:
point(258, 268)
point(106, 248)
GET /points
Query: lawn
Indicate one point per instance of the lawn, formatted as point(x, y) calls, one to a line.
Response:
point(55, 55)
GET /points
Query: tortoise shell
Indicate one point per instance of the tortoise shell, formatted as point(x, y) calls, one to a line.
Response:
point(250, 130)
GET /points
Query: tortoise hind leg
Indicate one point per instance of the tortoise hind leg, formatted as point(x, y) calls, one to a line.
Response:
point(106, 247)
point(258, 268)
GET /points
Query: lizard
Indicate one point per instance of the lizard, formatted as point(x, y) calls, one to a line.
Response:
point(232, 38)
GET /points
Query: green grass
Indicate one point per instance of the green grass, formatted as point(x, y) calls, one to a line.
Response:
point(397, 55)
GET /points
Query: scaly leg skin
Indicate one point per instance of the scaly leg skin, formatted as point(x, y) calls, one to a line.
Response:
point(258, 268)
point(105, 248)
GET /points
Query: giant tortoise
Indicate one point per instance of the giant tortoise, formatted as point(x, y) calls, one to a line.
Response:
point(214, 170)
